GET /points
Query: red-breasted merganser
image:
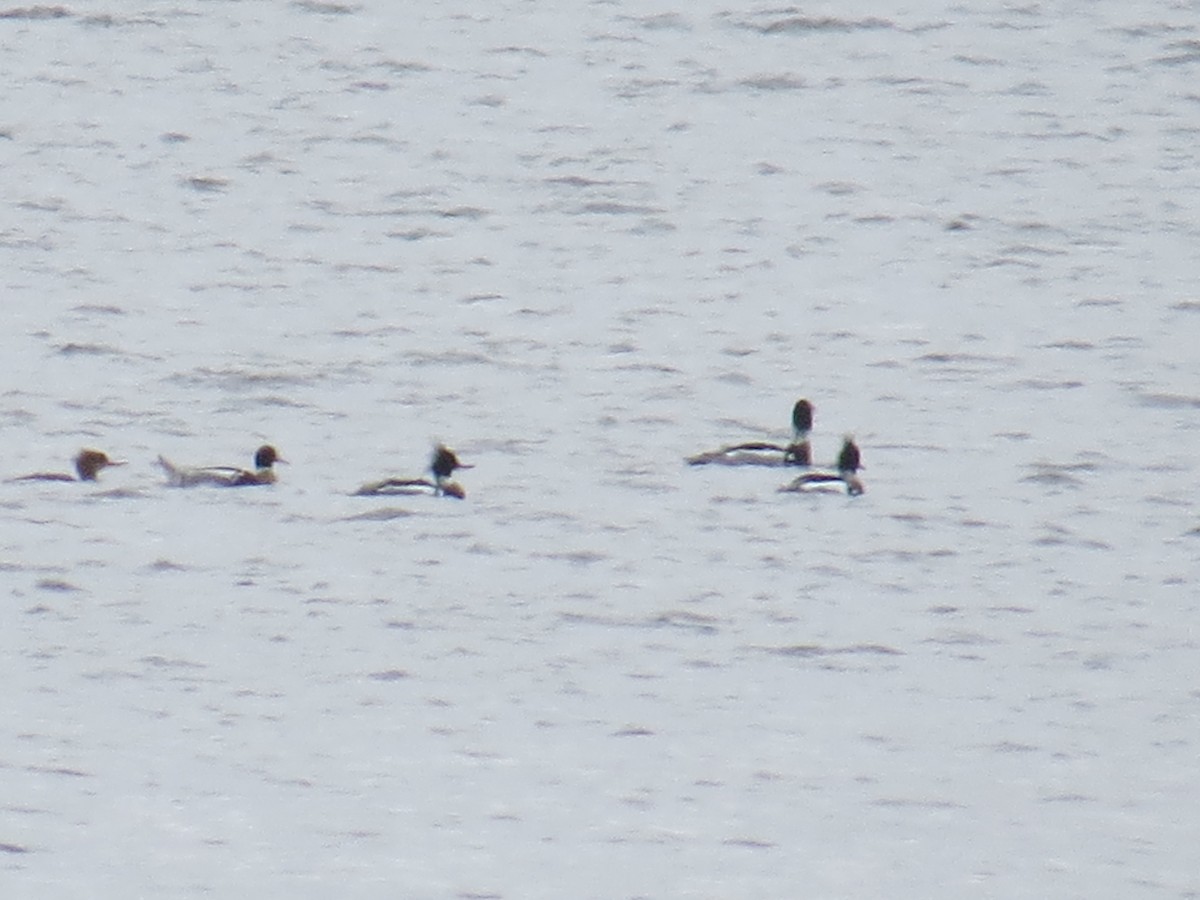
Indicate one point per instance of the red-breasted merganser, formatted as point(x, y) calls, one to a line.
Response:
point(849, 461)
point(760, 453)
point(88, 464)
point(442, 465)
point(226, 476)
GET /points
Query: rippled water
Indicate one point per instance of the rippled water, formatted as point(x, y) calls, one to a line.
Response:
point(579, 244)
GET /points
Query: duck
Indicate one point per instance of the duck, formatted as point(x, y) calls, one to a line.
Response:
point(88, 464)
point(226, 476)
point(762, 453)
point(849, 461)
point(442, 464)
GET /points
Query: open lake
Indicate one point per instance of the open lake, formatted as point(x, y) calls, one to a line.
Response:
point(578, 242)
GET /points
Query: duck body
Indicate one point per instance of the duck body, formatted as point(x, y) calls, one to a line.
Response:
point(88, 464)
point(854, 485)
point(225, 476)
point(411, 486)
point(755, 453)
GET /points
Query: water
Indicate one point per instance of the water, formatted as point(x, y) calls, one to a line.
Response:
point(579, 244)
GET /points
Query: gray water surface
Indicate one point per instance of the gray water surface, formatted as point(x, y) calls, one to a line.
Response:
point(579, 243)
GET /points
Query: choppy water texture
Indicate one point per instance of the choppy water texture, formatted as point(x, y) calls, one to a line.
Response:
point(578, 243)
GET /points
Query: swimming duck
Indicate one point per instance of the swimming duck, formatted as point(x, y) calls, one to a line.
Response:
point(226, 476)
point(443, 464)
point(849, 461)
point(761, 453)
point(88, 464)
